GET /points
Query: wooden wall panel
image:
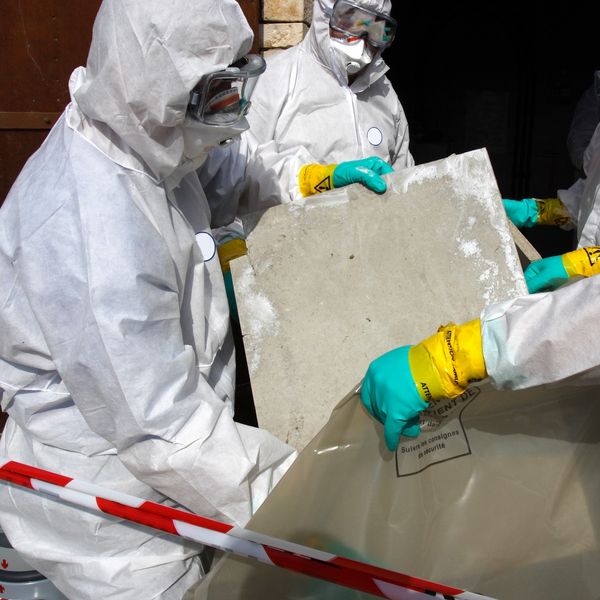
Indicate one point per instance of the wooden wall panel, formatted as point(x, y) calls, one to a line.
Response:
point(41, 42)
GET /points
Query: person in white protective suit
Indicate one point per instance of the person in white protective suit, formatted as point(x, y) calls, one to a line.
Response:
point(542, 338)
point(323, 115)
point(326, 100)
point(583, 124)
point(116, 358)
point(577, 206)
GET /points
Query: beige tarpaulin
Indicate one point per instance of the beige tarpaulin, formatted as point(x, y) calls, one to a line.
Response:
point(499, 495)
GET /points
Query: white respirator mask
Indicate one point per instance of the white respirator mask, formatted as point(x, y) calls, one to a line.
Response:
point(354, 53)
point(199, 139)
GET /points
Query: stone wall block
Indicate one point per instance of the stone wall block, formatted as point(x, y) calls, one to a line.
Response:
point(281, 35)
point(280, 11)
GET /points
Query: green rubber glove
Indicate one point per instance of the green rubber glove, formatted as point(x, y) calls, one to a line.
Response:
point(401, 383)
point(315, 178)
point(545, 274)
point(522, 213)
point(390, 395)
point(366, 171)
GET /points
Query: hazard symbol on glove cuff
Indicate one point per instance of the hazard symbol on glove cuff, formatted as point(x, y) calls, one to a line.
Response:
point(593, 254)
point(324, 185)
point(442, 438)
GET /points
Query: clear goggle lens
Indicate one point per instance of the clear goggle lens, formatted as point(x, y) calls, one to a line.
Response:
point(223, 98)
point(354, 21)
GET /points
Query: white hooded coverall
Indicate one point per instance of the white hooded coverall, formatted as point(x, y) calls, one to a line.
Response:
point(552, 336)
point(583, 124)
point(304, 111)
point(116, 355)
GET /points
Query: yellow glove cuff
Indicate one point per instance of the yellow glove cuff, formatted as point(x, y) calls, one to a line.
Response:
point(230, 250)
point(445, 363)
point(552, 211)
point(584, 262)
point(314, 179)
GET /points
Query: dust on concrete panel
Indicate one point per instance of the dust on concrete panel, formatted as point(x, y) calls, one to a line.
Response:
point(332, 283)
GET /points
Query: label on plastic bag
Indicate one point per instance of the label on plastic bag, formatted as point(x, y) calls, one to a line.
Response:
point(442, 438)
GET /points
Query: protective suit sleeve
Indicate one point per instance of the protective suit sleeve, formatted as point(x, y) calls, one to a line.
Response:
point(271, 173)
point(402, 156)
point(544, 338)
point(584, 122)
point(249, 176)
point(577, 198)
point(157, 391)
point(222, 176)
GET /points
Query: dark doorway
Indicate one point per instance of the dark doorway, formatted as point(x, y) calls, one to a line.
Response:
point(505, 77)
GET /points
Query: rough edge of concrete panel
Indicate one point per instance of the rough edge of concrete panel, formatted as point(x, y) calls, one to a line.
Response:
point(526, 250)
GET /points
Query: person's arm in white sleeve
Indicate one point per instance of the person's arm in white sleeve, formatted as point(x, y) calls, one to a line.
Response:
point(402, 156)
point(276, 175)
point(223, 177)
point(543, 338)
point(138, 350)
point(520, 343)
point(271, 173)
point(584, 122)
point(574, 197)
point(249, 176)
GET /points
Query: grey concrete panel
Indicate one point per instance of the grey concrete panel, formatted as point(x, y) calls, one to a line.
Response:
point(329, 285)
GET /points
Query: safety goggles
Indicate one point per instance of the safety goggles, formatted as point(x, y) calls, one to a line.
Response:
point(354, 21)
point(223, 98)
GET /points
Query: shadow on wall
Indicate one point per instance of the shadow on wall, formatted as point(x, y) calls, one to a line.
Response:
point(506, 77)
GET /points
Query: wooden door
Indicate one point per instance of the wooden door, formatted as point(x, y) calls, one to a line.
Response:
point(41, 42)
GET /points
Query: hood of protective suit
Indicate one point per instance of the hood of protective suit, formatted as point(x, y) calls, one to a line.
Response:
point(145, 57)
point(320, 45)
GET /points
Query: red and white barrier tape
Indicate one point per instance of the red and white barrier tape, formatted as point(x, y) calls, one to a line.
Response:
point(269, 550)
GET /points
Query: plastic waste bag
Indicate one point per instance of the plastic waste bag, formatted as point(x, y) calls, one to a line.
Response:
point(499, 495)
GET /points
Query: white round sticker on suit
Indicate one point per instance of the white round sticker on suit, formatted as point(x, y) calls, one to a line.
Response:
point(374, 136)
point(207, 244)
